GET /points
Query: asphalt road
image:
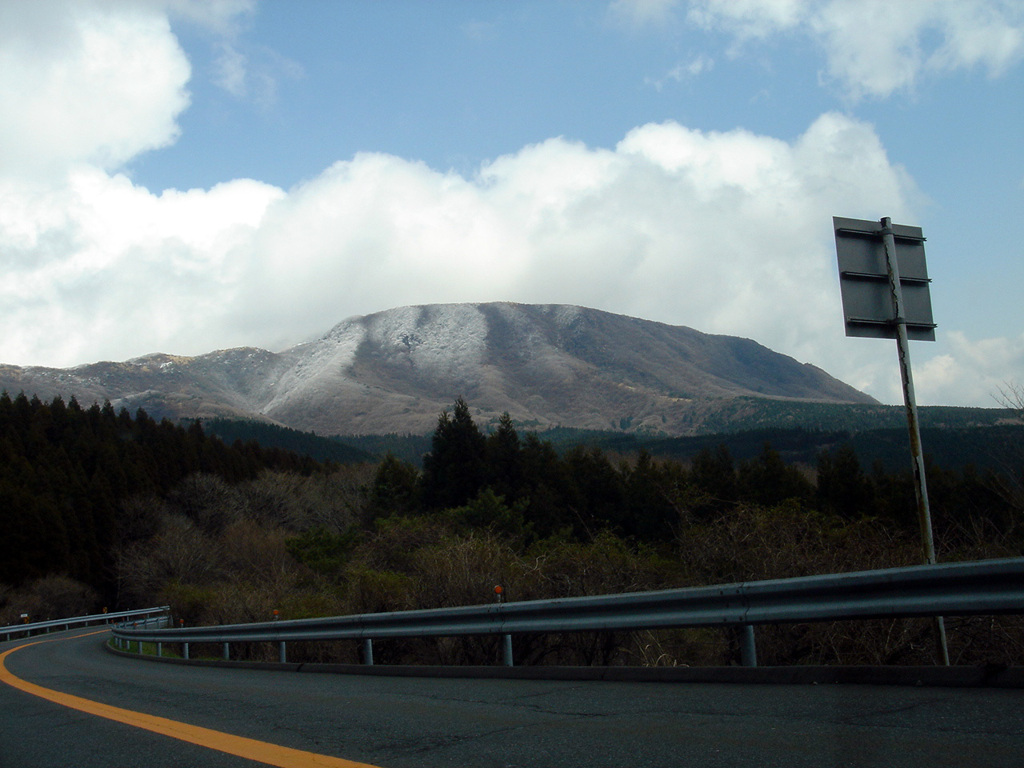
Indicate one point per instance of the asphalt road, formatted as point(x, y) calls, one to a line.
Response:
point(428, 723)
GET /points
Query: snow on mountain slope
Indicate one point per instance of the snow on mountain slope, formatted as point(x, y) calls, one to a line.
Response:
point(394, 371)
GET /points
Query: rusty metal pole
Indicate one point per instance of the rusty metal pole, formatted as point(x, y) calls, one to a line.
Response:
point(924, 514)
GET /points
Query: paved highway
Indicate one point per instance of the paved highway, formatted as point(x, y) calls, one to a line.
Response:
point(429, 723)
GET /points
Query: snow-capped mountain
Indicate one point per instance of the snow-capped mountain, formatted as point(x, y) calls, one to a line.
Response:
point(395, 371)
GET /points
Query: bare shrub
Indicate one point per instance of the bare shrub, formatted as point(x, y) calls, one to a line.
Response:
point(334, 501)
point(47, 598)
point(180, 552)
point(368, 590)
point(206, 500)
point(604, 565)
point(464, 571)
point(393, 544)
point(256, 554)
point(753, 543)
point(139, 519)
point(995, 640)
point(242, 602)
point(699, 646)
point(6, 611)
point(562, 568)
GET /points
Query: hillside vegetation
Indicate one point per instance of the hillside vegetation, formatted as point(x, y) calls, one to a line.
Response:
point(99, 508)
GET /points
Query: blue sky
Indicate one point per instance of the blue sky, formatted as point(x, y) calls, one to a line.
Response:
point(183, 176)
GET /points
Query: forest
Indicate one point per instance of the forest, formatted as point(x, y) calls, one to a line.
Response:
point(103, 509)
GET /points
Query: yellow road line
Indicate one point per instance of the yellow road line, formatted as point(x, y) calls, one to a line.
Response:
point(250, 749)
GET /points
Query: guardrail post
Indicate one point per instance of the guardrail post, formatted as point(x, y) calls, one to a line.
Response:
point(159, 649)
point(748, 650)
point(227, 651)
point(506, 643)
point(368, 652)
point(184, 651)
point(283, 655)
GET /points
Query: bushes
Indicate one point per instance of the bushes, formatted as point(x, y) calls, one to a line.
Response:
point(366, 540)
point(50, 597)
point(75, 484)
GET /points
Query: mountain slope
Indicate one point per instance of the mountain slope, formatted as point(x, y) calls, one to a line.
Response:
point(394, 371)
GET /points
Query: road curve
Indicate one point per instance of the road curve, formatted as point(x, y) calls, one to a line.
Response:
point(429, 723)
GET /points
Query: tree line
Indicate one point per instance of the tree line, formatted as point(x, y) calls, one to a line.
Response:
point(65, 472)
point(132, 512)
point(527, 489)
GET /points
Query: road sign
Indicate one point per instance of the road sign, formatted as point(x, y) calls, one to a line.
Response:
point(884, 283)
point(865, 284)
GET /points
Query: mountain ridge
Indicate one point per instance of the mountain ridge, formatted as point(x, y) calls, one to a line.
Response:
point(395, 370)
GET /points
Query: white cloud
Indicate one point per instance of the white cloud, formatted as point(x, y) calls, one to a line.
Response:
point(973, 370)
point(93, 82)
point(100, 268)
point(684, 70)
point(748, 19)
point(726, 232)
point(875, 48)
point(641, 13)
point(231, 70)
point(98, 82)
point(218, 16)
point(252, 76)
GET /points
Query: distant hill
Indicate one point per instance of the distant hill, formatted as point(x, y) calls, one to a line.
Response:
point(998, 448)
point(985, 438)
point(395, 371)
point(268, 435)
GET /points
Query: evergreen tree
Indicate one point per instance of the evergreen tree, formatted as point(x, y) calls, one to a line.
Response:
point(714, 476)
point(842, 486)
point(395, 489)
point(544, 488)
point(767, 480)
point(65, 473)
point(651, 514)
point(454, 471)
point(597, 498)
point(504, 460)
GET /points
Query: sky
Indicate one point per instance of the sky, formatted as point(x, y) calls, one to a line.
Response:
point(182, 176)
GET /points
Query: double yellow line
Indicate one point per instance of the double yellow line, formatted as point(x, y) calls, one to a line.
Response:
point(250, 749)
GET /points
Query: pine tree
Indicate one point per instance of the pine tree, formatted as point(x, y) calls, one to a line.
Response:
point(714, 475)
point(395, 489)
point(504, 460)
point(454, 471)
point(843, 488)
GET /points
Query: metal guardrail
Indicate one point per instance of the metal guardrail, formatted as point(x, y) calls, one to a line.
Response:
point(159, 621)
point(950, 589)
point(25, 630)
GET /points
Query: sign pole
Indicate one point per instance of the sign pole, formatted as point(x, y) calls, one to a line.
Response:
point(917, 456)
point(924, 515)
